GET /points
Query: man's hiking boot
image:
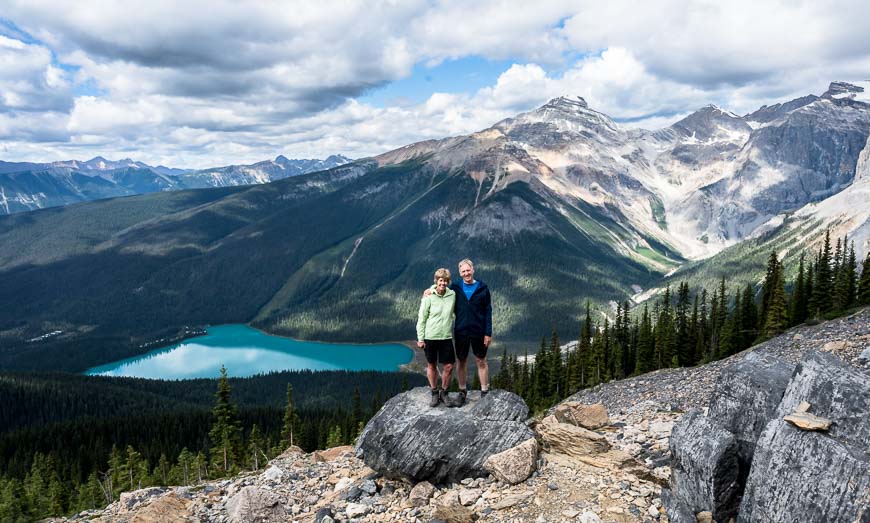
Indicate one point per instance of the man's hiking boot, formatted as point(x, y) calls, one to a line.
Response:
point(460, 399)
point(436, 397)
point(484, 393)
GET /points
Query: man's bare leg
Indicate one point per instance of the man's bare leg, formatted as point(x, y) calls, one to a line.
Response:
point(483, 373)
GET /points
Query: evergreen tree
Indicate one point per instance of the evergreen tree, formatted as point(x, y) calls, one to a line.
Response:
point(645, 344)
point(864, 282)
point(334, 439)
point(800, 302)
point(683, 339)
point(225, 433)
point(749, 318)
point(823, 282)
point(291, 429)
point(255, 447)
point(777, 313)
point(185, 463)
point(162, 471)
point(584, 347)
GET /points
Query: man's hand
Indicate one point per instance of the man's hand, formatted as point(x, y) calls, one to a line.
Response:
point(421, 344)
point(427, 292)
point(486, 341)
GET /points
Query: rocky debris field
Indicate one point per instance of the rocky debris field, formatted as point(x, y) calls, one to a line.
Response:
point(602, 463)
point(685, 388)
point(602, 485)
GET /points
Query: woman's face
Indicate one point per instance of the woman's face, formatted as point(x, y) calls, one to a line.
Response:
point(441, 285)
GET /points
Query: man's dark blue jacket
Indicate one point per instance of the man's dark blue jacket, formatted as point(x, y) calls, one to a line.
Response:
point(473, 316)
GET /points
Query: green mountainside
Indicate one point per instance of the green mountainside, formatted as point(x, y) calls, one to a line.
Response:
point(308, 256)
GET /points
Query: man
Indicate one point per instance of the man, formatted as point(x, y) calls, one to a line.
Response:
point(472, 328)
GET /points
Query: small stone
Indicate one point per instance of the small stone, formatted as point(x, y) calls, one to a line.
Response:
point(864, 357)
point(511, 500)
point(589, 517)
point(342, 484)
point(586, 416)
point(468, 496)
point(273, 473)
point(356, 510)
point(312, 499)
point(369, 487)
point(515, 464)
point(835, 346)
point(807, 421)
point(653, 511)
point(704, 517)
point(570, 513)
point(421, 493)
point(552, 486)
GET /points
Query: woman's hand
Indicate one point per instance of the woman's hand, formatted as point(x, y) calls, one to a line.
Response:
point(421, 344)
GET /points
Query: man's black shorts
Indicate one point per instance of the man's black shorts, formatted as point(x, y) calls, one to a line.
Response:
point(476, 344)
point(440, 351)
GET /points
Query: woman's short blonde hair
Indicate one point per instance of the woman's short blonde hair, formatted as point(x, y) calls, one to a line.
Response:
point(442, 273)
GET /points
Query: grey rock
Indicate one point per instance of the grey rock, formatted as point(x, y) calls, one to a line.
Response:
point(864, 357)
point(678, 511)
point(705, 467)
point(801, 475)
point(408, 440)
point(254, 504)
point(325, 512)
point(369, 487)
point(746, 398)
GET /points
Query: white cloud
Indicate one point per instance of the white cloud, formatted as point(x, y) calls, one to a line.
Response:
point(200, 83)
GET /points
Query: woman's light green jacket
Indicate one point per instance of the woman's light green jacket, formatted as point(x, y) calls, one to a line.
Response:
point(435, 319)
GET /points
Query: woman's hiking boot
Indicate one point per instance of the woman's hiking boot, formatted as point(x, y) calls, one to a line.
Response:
point(460, 399)
point(436, 397)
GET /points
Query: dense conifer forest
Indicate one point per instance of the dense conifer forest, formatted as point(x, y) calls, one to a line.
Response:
point(687, 327)
point(71, 442)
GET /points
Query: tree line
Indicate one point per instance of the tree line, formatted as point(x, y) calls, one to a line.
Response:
point(690, 326)
point(60, 468)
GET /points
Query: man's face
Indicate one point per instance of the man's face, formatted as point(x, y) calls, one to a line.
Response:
point(467, 273)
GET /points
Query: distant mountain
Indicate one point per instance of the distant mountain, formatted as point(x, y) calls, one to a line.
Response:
point(556, 205)
point(29, 186)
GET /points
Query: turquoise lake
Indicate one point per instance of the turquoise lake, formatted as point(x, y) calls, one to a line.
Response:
point(245, 351)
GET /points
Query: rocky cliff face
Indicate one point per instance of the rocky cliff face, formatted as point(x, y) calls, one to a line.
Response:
point(704, 183)
point(601, 463)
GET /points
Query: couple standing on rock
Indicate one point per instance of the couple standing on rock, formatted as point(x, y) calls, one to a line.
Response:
point(470, 305)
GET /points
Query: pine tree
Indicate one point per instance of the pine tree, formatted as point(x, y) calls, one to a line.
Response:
point(645, 344)
point(255, 447)
point(225, 433)
point(130, 467)
point(749, 318)
point(163, 469)
point(185, 463)
point(800, 302)
point(822, 301)
point(291, 429)
point(356, 414)
point(334, 439)
point(584, 347)
point(777, 313)
point(864, 282)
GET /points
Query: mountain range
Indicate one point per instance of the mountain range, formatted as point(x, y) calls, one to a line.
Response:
point(28, 186)
point(556, 205)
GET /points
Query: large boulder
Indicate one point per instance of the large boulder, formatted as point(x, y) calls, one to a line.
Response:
point(407, 439)
point(801, 475)
point(704, 467)
point(746, 398)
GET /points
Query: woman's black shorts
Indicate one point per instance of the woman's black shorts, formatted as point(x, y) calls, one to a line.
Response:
point(440, 351)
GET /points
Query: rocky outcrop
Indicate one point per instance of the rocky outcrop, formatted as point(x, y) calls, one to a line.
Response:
point(801, 475)
point(747, 396)
point(587, 416)
point(409, 440)
point(704, 467)
point(809, 461)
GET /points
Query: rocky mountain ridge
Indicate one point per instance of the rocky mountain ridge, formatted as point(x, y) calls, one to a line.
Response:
point(612, 471)
point(26, 186)
point(696, 187)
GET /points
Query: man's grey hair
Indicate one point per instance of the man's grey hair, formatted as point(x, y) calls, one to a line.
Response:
point(466, 261)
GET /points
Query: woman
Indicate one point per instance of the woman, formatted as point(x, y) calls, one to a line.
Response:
point(435, 333)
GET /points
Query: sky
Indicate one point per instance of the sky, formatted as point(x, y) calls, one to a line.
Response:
point(197, 84)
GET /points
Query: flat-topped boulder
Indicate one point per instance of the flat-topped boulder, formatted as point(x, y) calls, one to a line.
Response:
point(407, 439)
